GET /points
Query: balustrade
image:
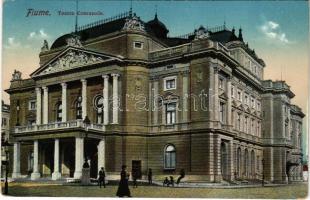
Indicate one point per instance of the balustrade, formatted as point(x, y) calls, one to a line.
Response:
point(58, 125)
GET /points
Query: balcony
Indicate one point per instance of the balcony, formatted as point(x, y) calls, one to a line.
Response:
point(58, 126)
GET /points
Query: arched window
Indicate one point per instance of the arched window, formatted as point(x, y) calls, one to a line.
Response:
point(224, 161)
point(78, 108)
point(59, 112)
point(98, 105)
point(169, 157)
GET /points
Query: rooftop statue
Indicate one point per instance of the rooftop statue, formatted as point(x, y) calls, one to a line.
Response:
point(45, 46)
point(201, 33)
point(134, 23)
point(17, 75)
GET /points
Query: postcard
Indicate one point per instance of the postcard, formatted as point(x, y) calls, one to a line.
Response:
point(155, 99)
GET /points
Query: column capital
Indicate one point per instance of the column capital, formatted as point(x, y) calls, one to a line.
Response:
point(105, 76)
point(45, 88)
point(115, 75)
point(216, 69)
point(63, 85)
point(83, 80)
point(38, 89)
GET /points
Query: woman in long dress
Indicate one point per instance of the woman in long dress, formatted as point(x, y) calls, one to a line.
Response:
point(123, 189)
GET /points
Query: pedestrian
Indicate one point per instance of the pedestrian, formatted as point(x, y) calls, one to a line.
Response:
point(101, 179)
point(134, 178)
point(123, 189)
point(171, 182)
point(149, 176)
point(182, 175)
point(166, 182)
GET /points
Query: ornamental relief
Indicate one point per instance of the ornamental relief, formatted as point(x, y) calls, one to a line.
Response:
point(71, 60)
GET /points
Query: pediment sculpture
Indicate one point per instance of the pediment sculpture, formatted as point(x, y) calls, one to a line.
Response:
point(72, 59)
point(17, 75)
point(45, 46)
point(201, 33)
point(74, 41)
point(134, 23)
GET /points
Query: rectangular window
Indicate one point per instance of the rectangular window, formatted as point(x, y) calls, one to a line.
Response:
point(171, 113)
point(246, 99)
point(258, 129)
point(246, 125)
point(222, 112)
point(138, 45)
point(253, 102)
point(170, 83)
point(252, 127)
point(32, 105)
point(239, 95)
point(232, 91)
point(238, 121)
point(221, 83)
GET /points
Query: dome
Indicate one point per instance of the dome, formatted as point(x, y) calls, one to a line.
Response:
point(157, 28)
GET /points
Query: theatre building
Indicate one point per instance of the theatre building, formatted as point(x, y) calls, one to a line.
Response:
point(121, 91)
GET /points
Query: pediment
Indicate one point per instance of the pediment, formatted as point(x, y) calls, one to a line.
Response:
point(223, 96)
point(71, 58)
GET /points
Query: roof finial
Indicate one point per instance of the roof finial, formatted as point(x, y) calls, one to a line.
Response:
point(76, 15)
point(240, 37)
point(156, 11)
point(130, 10)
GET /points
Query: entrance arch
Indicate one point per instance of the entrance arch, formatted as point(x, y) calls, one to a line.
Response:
point(224, 161)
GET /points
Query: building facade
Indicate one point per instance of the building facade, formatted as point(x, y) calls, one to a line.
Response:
point(121, 92)
point(5, 129)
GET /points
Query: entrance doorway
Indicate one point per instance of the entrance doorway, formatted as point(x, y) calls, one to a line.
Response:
point(136, 168)
point(224, 161)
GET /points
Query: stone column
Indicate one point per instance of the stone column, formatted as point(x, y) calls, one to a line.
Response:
point(64, 102)
point(45, 105)
point(101, 154)
point(216, 95)
point(16, 161)
point(56, 174)
point(211, 157)
point(84, 98)
point(217, 158)
point(35, 174)
point(105, 99)
point(231, 160)
point(115, 98)
point(229, 103)
point(79, 157)
point(39, 105)
point(185, 97)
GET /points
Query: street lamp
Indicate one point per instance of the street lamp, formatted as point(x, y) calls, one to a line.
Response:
point(6, 184)
point(263, 179)
point(5, 163)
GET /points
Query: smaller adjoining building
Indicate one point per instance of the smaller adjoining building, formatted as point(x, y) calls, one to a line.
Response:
point(5, 128)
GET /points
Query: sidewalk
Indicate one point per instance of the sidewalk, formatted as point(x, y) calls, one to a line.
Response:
point(224, 184)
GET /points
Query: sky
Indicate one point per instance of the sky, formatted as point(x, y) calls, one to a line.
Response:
point(277, 30)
